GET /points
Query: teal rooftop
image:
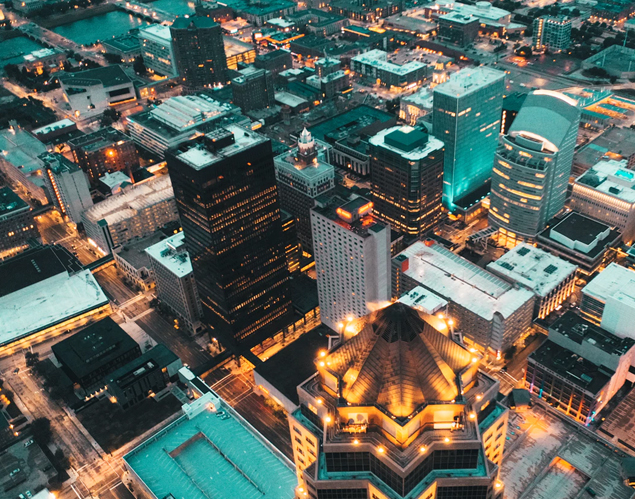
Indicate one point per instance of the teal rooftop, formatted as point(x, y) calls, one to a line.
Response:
point(210, 452)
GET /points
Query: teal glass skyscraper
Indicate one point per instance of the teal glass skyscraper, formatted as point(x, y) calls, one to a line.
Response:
point(466, 117)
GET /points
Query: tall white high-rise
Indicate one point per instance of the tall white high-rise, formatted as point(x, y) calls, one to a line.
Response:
point(532, 166)
point(352, 260)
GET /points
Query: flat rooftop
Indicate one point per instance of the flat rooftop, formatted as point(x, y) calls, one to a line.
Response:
point(157, 357)
point(580, 330)
point(97, 345)
point(458, 280)
point(159, 31)
point(104, 137)
point(199, 156)
point(294, 364)
point(108, 76)
point(47, 303)
point(10, 202)
point(349, 122)
point(580, 228)
point(613, 281)
point(612, 178)
point(573, 368)
point(534, 268)
point(134, 252)
point(239, 462)
point(171, 254)
point(21, 149)
point(424, 300)
point(469, 80)
point(378, 59)
point(131, 200)
point(410, 143)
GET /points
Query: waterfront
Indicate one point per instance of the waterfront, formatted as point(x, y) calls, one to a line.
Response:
point(176, 7)
point(99, 28)
point(12, 51)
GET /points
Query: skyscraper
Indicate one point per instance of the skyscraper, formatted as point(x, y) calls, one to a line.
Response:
point(466, 117)
point(407, 178)
point(225, 190)
point(398, 410)
point(533, 165)
point(303, 174)
point(352, 260)
point(199, 52)
point(67, 184)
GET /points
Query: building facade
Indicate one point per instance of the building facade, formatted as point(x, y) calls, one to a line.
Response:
point(226, 194)
point(552, 32)
point(458, 29)
point(385, 440)
point(253, 90)
point(466, 118)
point(17, 226)
point(532, 166)
point(606, 193)
point(352, 260)
point(156, 50)
point(105, 151)
point(138, 211)
point(199, 52)
point(407, 179)
point(374, 65)
point(303, 174)
point(67, 185)
point(175, 283)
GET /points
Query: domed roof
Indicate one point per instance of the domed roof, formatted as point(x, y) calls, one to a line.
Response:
point(399, 361)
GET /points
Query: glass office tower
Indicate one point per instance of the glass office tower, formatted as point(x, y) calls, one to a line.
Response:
point(466, 118)
point(225, 190)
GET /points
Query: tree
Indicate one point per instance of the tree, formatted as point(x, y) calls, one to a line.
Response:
point(139, 66)
point(41, 429)
point(525, 51)
point(31, 359)
point(62, 461)
point(392, 106)
point(112, 58)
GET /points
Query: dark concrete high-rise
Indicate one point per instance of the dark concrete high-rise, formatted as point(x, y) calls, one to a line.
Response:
point(225, 190)
point(253, 90)
point(199, 52)
point(407, 178)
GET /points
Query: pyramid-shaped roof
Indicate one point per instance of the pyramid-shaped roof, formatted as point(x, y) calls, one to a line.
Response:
point(399, 361)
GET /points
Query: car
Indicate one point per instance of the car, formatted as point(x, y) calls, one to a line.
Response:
point(16, 370)
point(28, 442)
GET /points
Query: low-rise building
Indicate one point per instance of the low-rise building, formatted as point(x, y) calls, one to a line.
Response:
point(105, 151)
point(275, 61)
point(138, 211)
point(45, 292)
point(606, 192)
point(609, 299)
point(331, 84)
point(125, 46)
point(416, 106)
point(550, 278)
point(89, 93)
point(253, 89)
point(374, 65)
point(238, 52)
point(490, 313)
point(134, 263)
point(175, 284)
point(258, 14)
point(17, 226)
point(458, 28)
point(580, 240)
point(156, 49)
point(67, 185)
point(93, 353)
point(143, 377)
point(175, 121)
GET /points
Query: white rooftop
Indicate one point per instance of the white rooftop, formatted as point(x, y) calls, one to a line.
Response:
point(159, 31)
point(65, 123)
point(422, 98)
point(537, 269)
point(433, 144)
point(114, 179)
point(199, 157)
point(424, 300)
point(469, 80)
point(483, 10)
point(171, 254)
point(379, 59)
point(131, 200)
point(48, 302)
point(458, 280)
point(290, 99)
point(614, 178)
point(613, 281)
point(187, 111)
